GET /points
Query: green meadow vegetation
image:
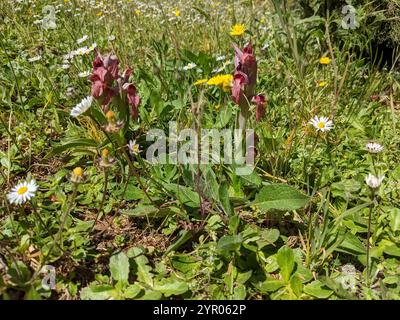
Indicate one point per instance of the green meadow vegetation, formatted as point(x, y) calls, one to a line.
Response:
point(85, 213)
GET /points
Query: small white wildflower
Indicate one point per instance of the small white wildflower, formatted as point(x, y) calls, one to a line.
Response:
point(93, 46)
point(82, 107)
point(83, 39)
point(34, 59)
point(374, 182)
point(265, 46)
point(82, 51)
point(134, 147)
point(69, 55)
point(321, 123)
point(84, 74)
point(190, 66)
point(22, 192)
point(111, 38)
point(374, 147)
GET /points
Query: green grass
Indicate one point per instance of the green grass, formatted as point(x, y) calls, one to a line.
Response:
point(296, 228)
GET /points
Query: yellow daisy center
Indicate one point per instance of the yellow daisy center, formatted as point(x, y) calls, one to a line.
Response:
point(22, 190)
point(136, 148)
point(321, 124)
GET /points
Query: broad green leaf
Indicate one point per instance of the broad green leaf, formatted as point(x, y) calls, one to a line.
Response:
point(285, 259)
point(395, 219)
point(86, 143)
point(171, 286)
point(224, 198)
point(268, 236)
point(151, 295)
point(229, 243)
point(119, 267)
point(392, 250)
point(239, 292)
point(296, 285)
point(32, 294)
point(185, 236)
point(142, 211)
point(252, 179)
point(351, 245)
point(132, 291)
point(132, 193)
point(270, 285)
point(318, 290)
point(185, 195)
point(97, 292)
point(280, 197)
point(142, 270)
point(186, 264)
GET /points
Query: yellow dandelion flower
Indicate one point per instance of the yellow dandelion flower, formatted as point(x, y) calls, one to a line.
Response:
point(322, 84)
point(325, 60)
point(138, 12)
point(222, 80)
point(217, 107)
point(237, 30)
point(200, 82)
point(99, 14)
point(177, 13)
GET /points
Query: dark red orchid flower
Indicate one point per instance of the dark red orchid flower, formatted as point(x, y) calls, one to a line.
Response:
point(239, 81)
point(107, 82)
point(133, 98)
point(246, 62)
point(260, 102)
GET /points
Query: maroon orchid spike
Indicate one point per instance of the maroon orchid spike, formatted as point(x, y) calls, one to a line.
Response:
point(133, 99)
point(108, 83)
point(246, 62)
point(239, 81)
point(105, 71)
point(244, 80)
point(260, 102)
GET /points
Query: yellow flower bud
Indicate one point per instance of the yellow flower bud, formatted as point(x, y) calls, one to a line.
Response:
point(78, 171)
point(105, 153)
point(110, 115)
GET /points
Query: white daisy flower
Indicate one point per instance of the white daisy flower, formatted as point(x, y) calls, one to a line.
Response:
point(265, 46)
point(374, 182)
point(93, 46)
point(374, 147)
point(134, 147)
point(34, 59)
point(65, 66)
point(69, 56)
point(111, 38)
point(322, 123)
point(81, 51)
point(82, 107)
point(83, 39)
point(84, 74)
point(22, 192)
point(190, 66)
point(220, 58)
